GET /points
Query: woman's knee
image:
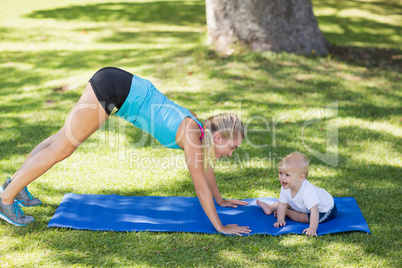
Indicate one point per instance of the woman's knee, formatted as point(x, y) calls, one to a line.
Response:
point(61, 148)
point(63, 153)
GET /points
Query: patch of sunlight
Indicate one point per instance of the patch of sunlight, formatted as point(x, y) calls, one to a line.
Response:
point(275, 97)
point(325, 11)
point(376, 155)
point(21, 66)
point(355, 13)
point(234, 257)
point(264, 193)
point(189, 84)
point(271, 256)
point(72, 46)
point(296, 240)
point(383, 82)
point(340, 249)
point(374, 150)
point(303, 114)
point(380, 185)
point(384, 127)
point(372, 31)
point(314, 140)
point(396, 38)
point(323, 171)
point(25, 256)
point(366, 44)
point(145, 27)
point(331, 28)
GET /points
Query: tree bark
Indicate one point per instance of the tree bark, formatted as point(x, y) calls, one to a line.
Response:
point(277, 25)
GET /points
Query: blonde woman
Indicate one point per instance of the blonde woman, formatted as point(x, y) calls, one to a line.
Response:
point(140, 103)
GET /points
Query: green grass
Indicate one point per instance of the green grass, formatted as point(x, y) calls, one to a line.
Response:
point(47, 44)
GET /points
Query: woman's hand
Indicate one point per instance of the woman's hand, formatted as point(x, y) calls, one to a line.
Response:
point(235, 229)
point(232, 203)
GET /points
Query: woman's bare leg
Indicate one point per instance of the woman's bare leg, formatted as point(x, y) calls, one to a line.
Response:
point(38, 148)
point(84, 119)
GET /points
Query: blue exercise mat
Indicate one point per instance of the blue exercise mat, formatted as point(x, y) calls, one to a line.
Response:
point(184, 214)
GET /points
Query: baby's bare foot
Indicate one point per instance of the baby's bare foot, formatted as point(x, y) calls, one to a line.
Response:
point(265, 207)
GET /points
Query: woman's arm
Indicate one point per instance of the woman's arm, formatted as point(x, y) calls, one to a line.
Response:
point(213, 186)
point(195, 161)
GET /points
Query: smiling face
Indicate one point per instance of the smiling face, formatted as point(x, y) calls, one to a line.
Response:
point(291, 177)
point(225, 147)
point(293, 169)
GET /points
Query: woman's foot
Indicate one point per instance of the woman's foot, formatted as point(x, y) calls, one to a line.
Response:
point(13, 214)
point(24, 198)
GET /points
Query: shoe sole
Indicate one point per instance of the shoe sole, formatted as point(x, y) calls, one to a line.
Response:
point(2, 216)
point(20, 203)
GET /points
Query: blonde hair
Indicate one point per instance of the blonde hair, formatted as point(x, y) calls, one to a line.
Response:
point(230, 127)
point(296, 158)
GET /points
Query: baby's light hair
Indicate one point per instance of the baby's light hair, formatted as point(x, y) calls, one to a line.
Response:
point(296, 158)
point(230, 127)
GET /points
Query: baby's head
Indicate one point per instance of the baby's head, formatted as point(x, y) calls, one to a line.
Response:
point(297, 162)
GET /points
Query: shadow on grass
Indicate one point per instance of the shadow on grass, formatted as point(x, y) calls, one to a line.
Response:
point(153, 37)
point(361, 29)
point(367, 24)
point(358, 29)
point(157, 12)
point(274, 78)
point(370, 57)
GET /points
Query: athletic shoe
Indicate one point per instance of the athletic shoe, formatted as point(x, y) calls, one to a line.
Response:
point(24, 198)
point(13, 214)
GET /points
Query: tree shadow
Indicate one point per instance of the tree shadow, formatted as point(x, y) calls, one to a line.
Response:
point(369, 57)
point(153, 37)
point(366, 28)
point(351, 103)
point(157, 12)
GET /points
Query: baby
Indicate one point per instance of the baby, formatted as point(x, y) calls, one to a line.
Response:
point(308, 203)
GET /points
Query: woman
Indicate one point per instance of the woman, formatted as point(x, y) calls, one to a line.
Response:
point(140, 103)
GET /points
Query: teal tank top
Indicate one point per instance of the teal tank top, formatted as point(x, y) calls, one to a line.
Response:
point(151, 111)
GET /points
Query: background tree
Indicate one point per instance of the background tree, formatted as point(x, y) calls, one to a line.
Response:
point(277, 25)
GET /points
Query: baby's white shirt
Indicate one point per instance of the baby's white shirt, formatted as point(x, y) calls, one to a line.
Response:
point(308, 196)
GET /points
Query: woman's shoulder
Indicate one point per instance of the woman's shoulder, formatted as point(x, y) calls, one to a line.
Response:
point(189, 132)
point(192, 126)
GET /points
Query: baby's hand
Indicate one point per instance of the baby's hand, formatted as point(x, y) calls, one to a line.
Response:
point(310, 232)
point(279, 223)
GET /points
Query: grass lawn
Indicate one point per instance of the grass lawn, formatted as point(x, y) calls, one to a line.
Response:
point(49, 50)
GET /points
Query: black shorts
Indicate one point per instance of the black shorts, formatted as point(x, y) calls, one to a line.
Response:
point(111, 86)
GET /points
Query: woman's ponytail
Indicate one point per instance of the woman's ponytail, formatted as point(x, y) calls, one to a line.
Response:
point(208, 148)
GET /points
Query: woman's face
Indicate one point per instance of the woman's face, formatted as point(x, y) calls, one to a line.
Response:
point(225, 147)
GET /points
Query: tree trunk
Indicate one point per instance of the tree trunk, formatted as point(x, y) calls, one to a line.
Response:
point(277, 25)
